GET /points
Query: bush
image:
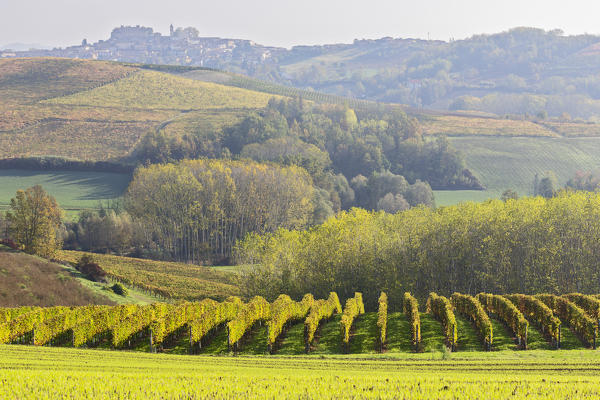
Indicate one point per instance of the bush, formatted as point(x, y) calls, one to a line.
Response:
point(90, 269)
point(119, 289)
point(10, 243)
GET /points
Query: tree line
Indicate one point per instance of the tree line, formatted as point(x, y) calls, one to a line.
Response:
point(529, 245)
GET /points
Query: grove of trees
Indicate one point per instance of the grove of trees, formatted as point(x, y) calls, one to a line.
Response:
point(197, 210)
point(529, 245)
point(335, 144)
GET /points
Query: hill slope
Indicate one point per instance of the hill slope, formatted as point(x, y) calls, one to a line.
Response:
point(170, 279)
point(97, 110)
point(27, 280)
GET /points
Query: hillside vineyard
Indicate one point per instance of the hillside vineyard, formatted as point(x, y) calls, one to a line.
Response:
point(162, 326)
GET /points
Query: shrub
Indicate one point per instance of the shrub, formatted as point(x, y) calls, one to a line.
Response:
point(90, 269)
point(119, 289)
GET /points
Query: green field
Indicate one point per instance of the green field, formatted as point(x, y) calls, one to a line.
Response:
point(30, 372)
point(73, 190)
point(511, 163)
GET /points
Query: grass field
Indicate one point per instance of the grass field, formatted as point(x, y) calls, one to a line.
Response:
point(170, 279)
point(28, 372)
point(511, 163)
point(73, 190)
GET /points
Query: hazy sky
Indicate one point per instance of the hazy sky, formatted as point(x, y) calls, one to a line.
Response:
point(286, 23)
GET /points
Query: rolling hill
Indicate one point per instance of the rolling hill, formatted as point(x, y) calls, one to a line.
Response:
point(97, 110)
point(30, 281)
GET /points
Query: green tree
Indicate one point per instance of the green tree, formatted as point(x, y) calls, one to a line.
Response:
point(34, 221)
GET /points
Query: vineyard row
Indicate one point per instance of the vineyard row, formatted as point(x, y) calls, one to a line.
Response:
point(119, 326)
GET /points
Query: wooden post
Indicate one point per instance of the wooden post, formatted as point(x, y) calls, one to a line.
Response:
point(151, 342)
point(559, 334)
point(228, 336)
point(306, 344)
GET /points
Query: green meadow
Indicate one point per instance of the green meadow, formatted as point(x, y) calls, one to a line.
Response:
point(73, 190)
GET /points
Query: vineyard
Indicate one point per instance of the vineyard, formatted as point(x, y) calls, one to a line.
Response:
point(319, 326)
point(96, 110)
point(168, 280)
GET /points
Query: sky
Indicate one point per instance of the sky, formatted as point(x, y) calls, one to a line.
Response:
point(290, 22)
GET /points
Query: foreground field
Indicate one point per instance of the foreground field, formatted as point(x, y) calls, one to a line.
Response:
point(33, 373)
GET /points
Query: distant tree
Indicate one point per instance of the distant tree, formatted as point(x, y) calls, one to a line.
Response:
point(34, 221)
point(509, 194)
point(589, 181)
point(420, 193)
point(3, 226)
point(548, 185)
point(392, 203)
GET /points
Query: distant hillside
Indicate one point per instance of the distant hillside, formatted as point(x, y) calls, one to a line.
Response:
point(520, 71)
point(99, 110)
point(30, 281)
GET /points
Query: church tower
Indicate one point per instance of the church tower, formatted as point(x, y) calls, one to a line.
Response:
point(171, 30)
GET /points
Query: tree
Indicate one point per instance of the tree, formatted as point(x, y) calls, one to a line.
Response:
point(420, 193)
point(392, 203)
point(3, 226)
point(34, 221)
point(548, 185)
point(509, 194)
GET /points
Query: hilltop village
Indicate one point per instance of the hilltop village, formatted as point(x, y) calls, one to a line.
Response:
point(182, 46)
